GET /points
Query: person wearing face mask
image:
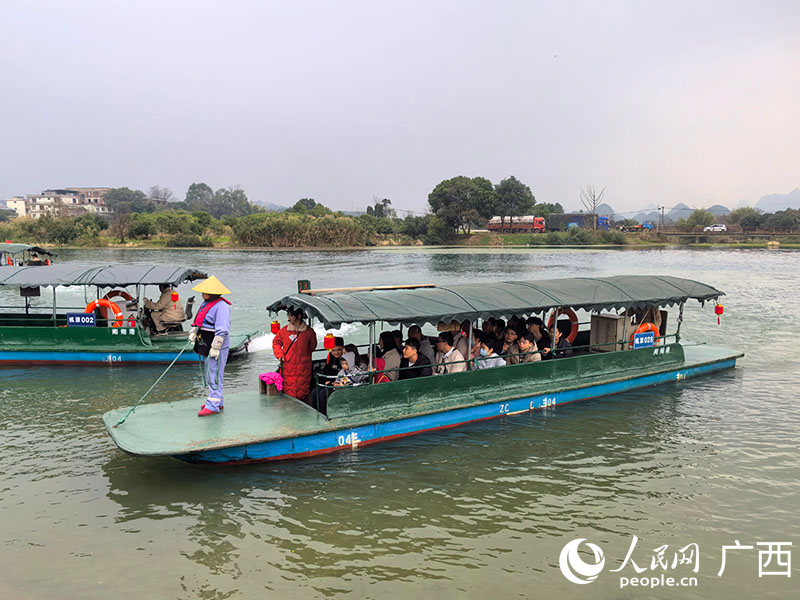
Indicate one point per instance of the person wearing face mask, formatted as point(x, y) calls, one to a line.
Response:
point(293, 346)
point(487, 352)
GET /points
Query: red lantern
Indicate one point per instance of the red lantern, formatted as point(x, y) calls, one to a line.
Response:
point(329, 341)
point(718, 311)
point(275, 327)
point(174, 297)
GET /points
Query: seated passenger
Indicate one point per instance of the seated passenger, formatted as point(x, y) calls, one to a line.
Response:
point(488, 325)
point(350, 373)
point(414, 364)
point(563, 345)
point(391, 356)
point(358, 362)
point(424, 343)
point(398, 339)
point(333, 362)
point(448, 358)
point(528, 352)
point(540, 335)
point(509, 345)
point(487, 351)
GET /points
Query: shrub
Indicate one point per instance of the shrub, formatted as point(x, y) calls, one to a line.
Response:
point(189, 240)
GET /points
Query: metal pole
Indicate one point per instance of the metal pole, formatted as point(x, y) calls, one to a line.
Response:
point(553, 334)
point(468, 357)
point(624, 329)
point(54, 306)
point(680, 320)
point(371, 346)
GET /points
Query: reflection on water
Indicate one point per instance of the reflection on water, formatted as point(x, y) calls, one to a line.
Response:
point(479, 510)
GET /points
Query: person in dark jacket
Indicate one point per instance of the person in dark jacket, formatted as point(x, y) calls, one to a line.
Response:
point(414, 363)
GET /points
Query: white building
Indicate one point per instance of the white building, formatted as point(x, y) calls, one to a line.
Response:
point(66, 202)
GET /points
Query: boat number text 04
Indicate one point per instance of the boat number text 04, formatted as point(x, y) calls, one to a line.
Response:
point(351, 438)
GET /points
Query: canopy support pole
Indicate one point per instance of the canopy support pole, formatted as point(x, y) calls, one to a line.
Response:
point(625, 328)
point(553, 333)
point(371, 346)
point(54, 306)
point(680, 320)
point(468, 357)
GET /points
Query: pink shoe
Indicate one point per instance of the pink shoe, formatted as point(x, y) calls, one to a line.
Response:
point(204, 412)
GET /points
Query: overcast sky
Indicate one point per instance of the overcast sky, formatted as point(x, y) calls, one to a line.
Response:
point(659, 102)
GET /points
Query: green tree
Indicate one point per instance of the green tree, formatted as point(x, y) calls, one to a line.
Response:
point(127, 200)
point(514, 199)
point(199, 196)
point(382, 208)
point(746, 217)
point(545, 209)
point(303, 205)
point(700, 218)
point(782, 218)
point(461, 202)
point(142, 226)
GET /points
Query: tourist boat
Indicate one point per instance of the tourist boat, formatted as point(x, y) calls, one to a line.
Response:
point(612, 355)
point(106, 329)
point(18, 255)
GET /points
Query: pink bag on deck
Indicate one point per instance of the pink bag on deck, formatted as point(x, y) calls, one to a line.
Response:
point(272, 378)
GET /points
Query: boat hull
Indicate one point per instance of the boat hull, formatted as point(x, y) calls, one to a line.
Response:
point(263, 428)
point(353, 437)
point(135, 352)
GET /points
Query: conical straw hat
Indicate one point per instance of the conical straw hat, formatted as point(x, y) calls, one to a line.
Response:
point(212, 285)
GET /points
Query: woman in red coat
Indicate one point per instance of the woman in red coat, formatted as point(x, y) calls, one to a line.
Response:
point(293, 346)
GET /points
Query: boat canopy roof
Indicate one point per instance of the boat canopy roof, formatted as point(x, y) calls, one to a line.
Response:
point(102, 276)
point(20, 248)
point(482, 300)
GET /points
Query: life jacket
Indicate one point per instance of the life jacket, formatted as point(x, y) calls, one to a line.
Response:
point(201, 314)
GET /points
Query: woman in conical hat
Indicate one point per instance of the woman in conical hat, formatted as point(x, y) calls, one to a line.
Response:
point(210, 334)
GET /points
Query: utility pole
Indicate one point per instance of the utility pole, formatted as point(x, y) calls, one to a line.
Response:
point(660, 219)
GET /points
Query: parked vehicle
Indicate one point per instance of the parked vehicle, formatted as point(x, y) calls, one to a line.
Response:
point(646, 226)
point(526, 224)
point(716, 227)
point(565, 221)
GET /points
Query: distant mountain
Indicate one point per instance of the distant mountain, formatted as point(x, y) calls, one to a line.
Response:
point(718, 210)
point(604, 209)
point(680, 211)
point(270, 207)
point(776, 202)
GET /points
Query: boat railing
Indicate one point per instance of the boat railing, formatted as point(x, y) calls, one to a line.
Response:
point(374, 374)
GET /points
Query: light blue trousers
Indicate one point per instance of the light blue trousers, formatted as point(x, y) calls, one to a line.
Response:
point(215, 370)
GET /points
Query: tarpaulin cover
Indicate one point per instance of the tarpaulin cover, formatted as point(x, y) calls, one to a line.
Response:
point(498, 299)
point(102, 276)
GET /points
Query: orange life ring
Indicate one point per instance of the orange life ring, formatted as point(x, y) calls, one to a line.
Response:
point(10, 261)
point(108, 304)
point(573, 319)
point(116, 294)
point(644, 328)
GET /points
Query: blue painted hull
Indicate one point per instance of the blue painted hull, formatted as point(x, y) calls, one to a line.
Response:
point(331, 441)
point(93, 358)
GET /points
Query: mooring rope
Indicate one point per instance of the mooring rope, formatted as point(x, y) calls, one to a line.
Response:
point(133, 408)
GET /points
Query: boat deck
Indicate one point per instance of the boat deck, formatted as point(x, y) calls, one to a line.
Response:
point(172, 428)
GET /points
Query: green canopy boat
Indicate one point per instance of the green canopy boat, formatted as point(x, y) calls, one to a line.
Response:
point(13, 255)
point(615, 349)
point(88, 334)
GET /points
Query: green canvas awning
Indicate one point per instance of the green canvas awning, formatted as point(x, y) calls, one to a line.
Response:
point(500, 299)
point(20, 248)
point(102, 276)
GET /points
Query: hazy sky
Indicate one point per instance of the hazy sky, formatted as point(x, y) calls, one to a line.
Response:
point(660, 102)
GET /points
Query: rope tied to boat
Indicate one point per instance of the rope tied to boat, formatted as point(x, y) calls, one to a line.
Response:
point(147, 393)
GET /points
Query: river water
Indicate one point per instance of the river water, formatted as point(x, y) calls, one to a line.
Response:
point(479, 511)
